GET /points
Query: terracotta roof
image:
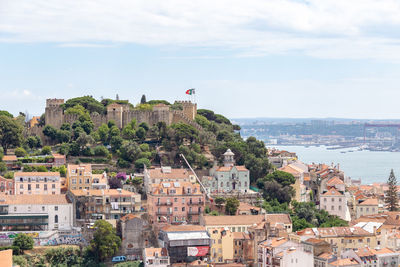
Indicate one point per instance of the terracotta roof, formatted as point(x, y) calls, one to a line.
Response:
point(292, 170)
point(129, 216)
point(10, 158)
point(17, 174)
point(172, 174)
point(228, 169)
point(34, 199)
point(345, 262)
point(382, 251)
point(183, 228)
point(243, 206)
point(369, 202)
point(233, 220)
point(276, 242)
point(58, 156)
point(314, 241)
point(325, 255)
point(335, 181)
point(101, 192)
point(86, 167)
point(151, 252)
point(274, 219)
point(240, 235)
point(334, 232)
point(332, 192)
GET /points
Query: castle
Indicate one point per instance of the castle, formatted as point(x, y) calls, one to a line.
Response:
point(122, 114)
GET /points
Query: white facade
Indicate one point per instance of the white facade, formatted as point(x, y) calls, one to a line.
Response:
point(297, 257)
point(335, 203)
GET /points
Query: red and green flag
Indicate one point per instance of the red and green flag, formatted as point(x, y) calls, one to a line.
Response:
point(190, 91)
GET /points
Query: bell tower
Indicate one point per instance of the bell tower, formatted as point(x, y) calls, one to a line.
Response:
point(229, 160)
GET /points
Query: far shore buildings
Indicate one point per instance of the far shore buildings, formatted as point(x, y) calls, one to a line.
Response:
point(37, 183)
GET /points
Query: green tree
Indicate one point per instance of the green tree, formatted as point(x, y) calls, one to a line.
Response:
point(101, 151)
point(63, 136)
point(46, 150)
point(273, 190)
point(32, 142)
point(3, 167)
point(141, 133)
point(219, 201)
point(50, 132)
point(20, 152)
point(139, 163)
point(23, 241)
point(6, 113)
point(143, 100)
point(105, 242)
point(391, 198)
point(231, 206)
point(116, 142)
point(20, 261)
point(300, 224)
point(10, 133)
point(103, 132)
point(63, 256)
point(130, 151)
point(283, 178)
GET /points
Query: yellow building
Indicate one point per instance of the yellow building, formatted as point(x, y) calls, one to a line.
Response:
point(341, 238)
point(79, 176)
point(221, 245)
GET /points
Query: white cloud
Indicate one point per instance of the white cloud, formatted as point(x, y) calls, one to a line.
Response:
point(319, 28)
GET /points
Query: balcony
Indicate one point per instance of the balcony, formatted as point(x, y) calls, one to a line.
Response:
point(163, 212)
point(163, 203)
point(195, 202)
point(194, 212)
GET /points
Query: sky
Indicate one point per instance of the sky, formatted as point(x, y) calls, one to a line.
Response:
point(254, 58)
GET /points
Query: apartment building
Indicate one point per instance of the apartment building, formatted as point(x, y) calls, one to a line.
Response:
point(104, 204)
point(37, 183)
point(35, 212)
point(175, 202)
point(154, 176)
point(335, 203)
point(366, 207)
point(6, 186)
point(79, 176)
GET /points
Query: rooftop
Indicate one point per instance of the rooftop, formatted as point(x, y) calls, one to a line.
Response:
point(10, 158)
point(332, 192)
point(369, 202)
point(168, 172)
point(233, 220)
point(33, 199)
point(345, 262)
point(228, 169)
point(274, 219)
point(18, 174)
point(101, 192)
point(183, 228)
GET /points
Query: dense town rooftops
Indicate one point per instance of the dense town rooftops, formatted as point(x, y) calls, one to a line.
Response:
point(72, 168)
point(273, 243)
point(102, 192)
point(168, 172)
point(153, 252)
point(292, 169)
point(183, 228)
point(28, 174)
point(344, 262)
point(332, 192)
point(33, 200)
point(335, 181)
point(233, 220)
point(369, 202)
point(274, 219)
point(228, 169)
point(334, 232)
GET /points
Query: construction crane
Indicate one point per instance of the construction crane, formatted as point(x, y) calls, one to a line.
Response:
point(197, 178)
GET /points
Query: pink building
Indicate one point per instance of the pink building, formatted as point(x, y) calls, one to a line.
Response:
point(37, 183)
point(6, 186)
point(175, 203)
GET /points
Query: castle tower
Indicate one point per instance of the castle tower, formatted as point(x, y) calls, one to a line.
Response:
point(54, 114)
point(189, 109)
point(229, 160)
point(114, 113)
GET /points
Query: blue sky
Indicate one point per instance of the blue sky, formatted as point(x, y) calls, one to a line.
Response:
point(246, 59)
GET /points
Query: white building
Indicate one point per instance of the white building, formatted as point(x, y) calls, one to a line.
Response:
point(228, 178)
point(155, 257)
point(283, 253)
point(35, 212)
point(335, 203)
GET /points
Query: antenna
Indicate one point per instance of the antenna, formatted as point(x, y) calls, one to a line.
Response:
point(197, 178)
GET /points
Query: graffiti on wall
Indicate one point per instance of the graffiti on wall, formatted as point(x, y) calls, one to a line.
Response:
point(12, 235)
point(74, 239)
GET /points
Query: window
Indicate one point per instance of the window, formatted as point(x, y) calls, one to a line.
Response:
point(45, 187)
point(29, 186)
point(73, 181)
point(324, 199)
point(21, 186)
point(56, 219)
point(87, 181)
point(333, 199)
point(176, 209)
point(340, 207)
point(340, 200)
point(324, 207)
point(55, 207)
point(37, 186)
point(29, 208)
point(332, 207)
point(15, 209)
point(222, 184)
point(53, 186)
point(42, 208)
point(176, 199)
point(183, 208)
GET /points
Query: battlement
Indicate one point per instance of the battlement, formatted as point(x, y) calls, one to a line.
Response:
point(189, 108)
point(54, 102)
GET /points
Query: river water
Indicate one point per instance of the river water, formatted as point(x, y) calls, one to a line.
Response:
point(370, 166)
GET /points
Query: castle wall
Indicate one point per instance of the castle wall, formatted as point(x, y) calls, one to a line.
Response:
point(54, 116)
point(147, 116)
point(98, 119)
